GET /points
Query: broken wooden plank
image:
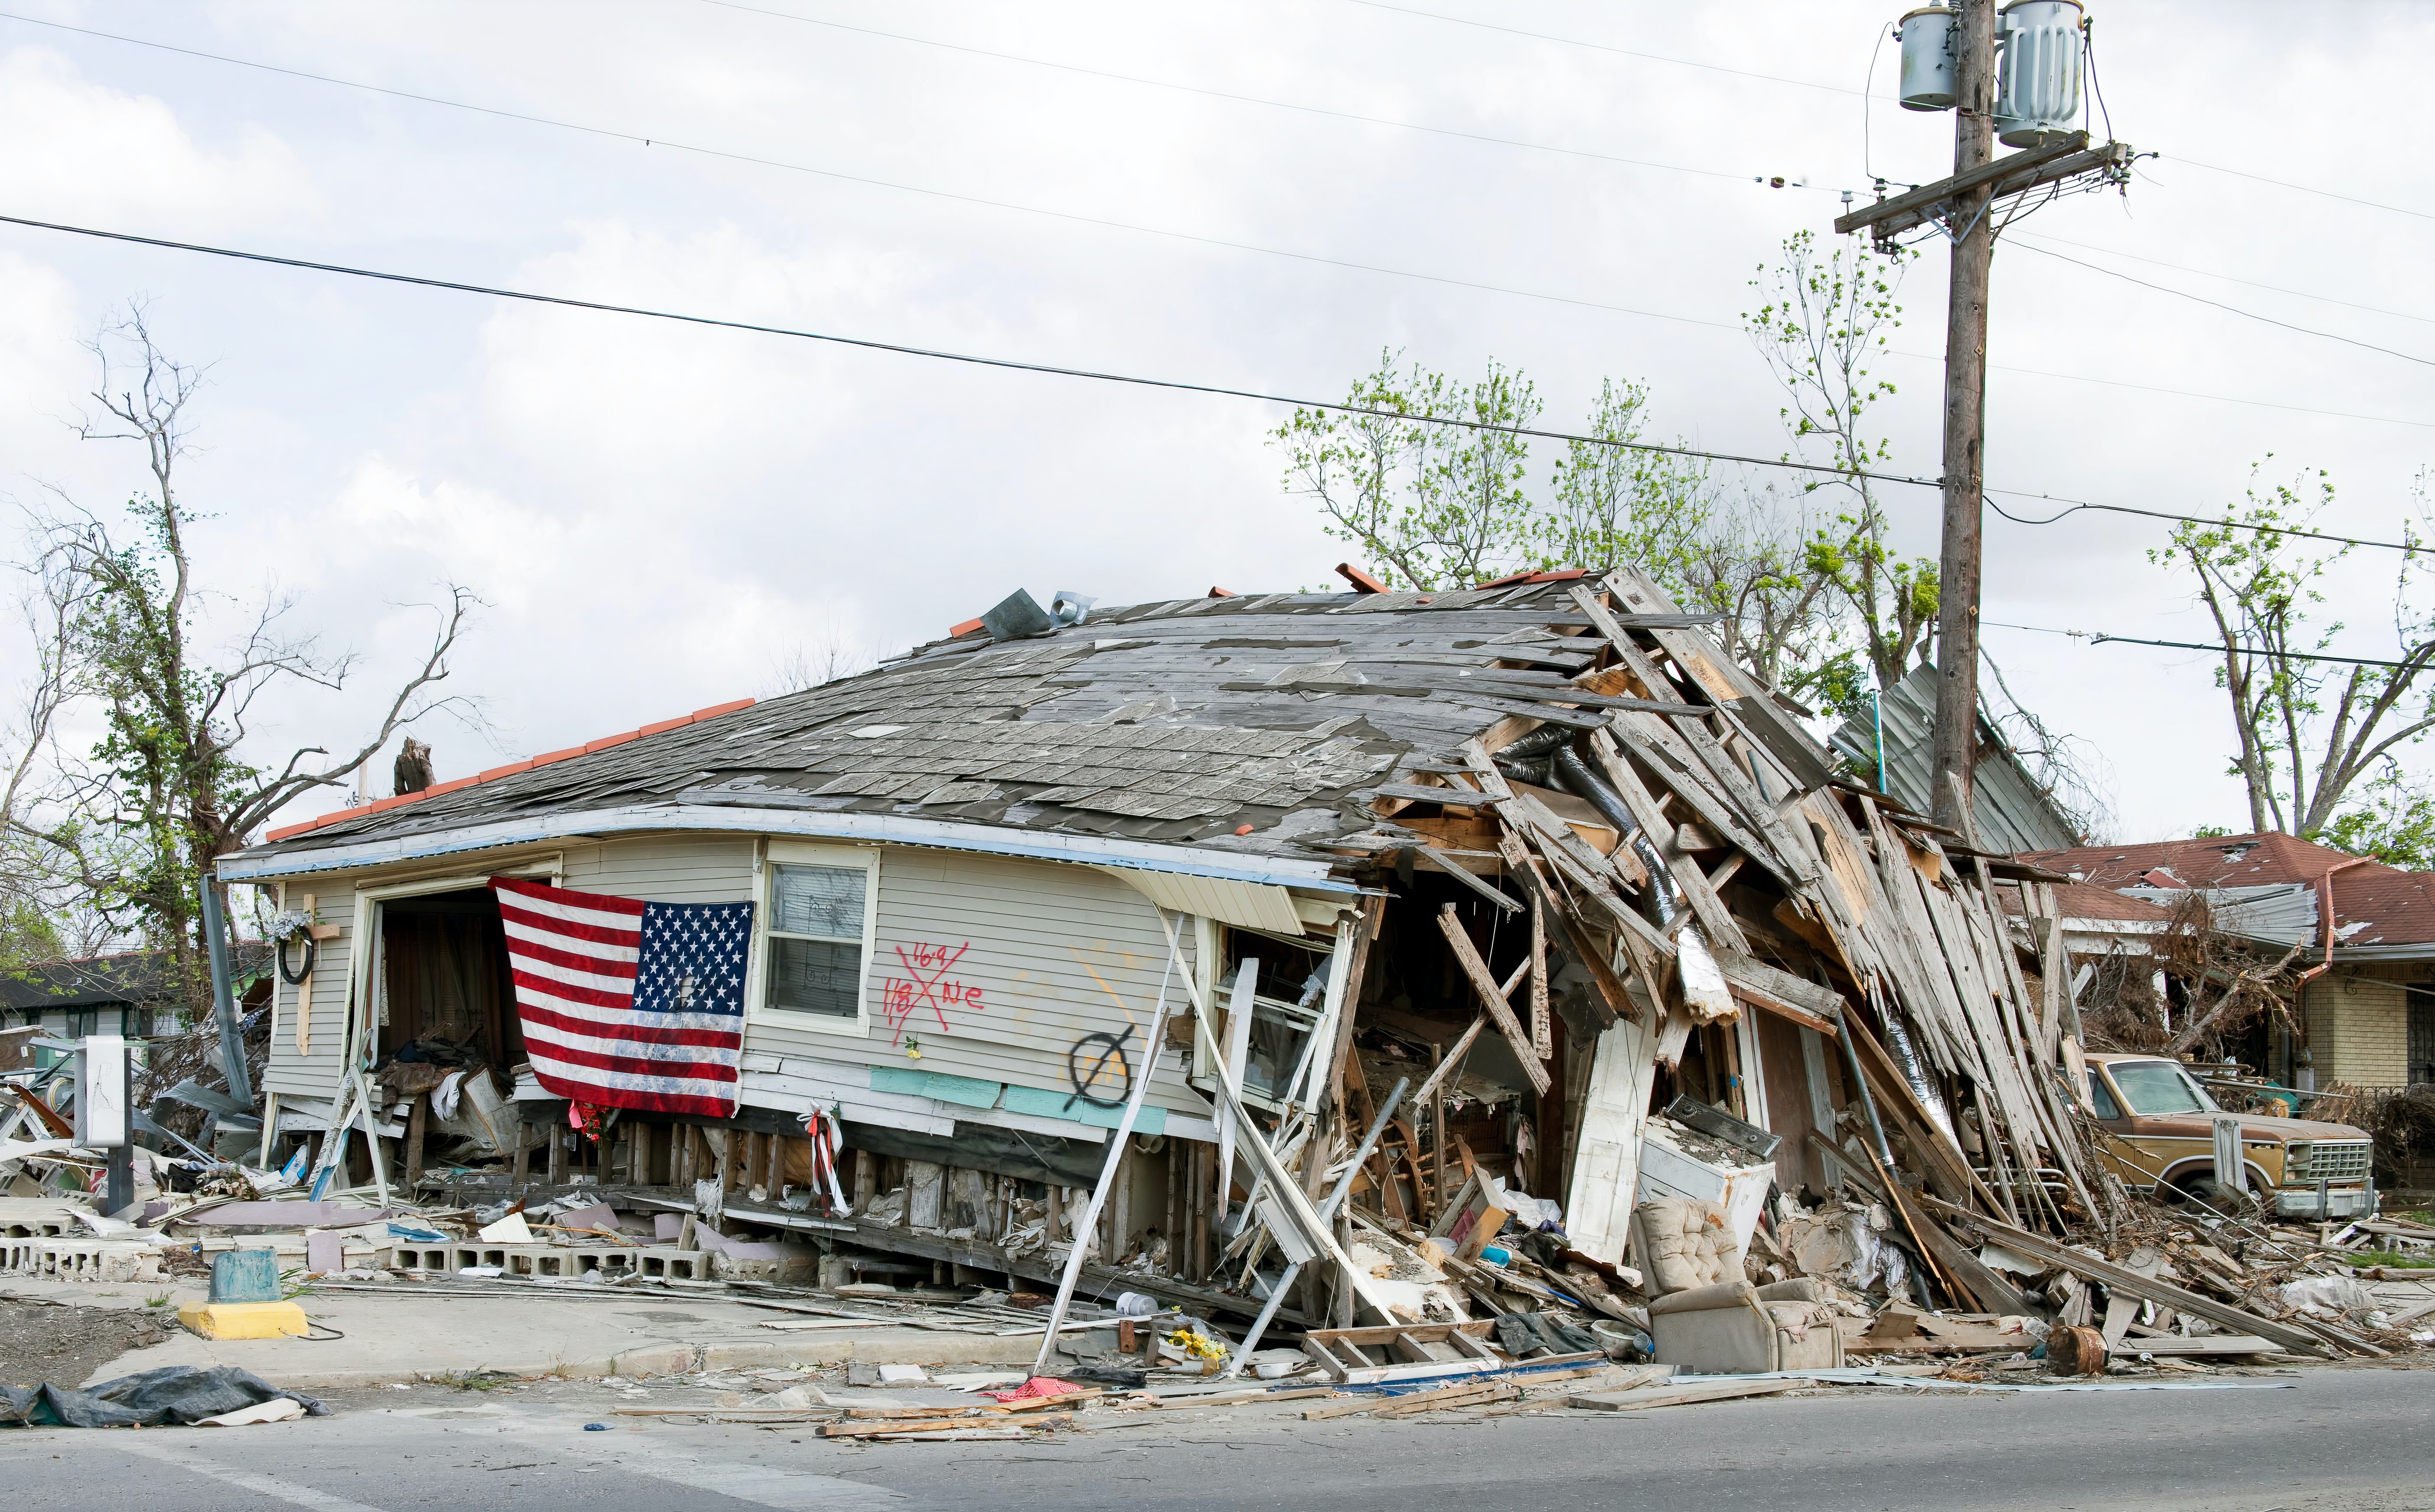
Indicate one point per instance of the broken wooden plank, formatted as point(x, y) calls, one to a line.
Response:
point(1779, 992)
point(1672, 1395)
point(1613, 999)
point(1447, 863)
point(2174, 1345)
point(2037, 1247)
point(1502, 1012)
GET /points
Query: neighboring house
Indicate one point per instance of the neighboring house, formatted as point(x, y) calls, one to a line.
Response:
point(2369, 1016)
point(133, 994)
point(2008, 807)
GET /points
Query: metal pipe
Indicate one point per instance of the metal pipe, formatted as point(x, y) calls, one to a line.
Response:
point(240, 1081)
point(2325, 913)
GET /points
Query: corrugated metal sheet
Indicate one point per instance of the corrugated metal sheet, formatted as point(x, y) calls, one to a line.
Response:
point(2009, 809)
point(2282, 912)
point(1251, 903)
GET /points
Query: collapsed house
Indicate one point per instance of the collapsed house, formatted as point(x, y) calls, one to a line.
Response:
point(1526, 895)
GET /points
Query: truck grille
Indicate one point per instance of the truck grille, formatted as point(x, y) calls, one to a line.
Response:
point(2309, 1161)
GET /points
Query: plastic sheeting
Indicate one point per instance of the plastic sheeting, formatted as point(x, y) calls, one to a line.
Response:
point(181, 1394)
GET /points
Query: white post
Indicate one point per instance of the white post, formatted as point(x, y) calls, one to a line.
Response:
point(1085, 1230)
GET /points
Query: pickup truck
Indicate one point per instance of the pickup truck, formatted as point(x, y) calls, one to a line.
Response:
point(2160, 1137)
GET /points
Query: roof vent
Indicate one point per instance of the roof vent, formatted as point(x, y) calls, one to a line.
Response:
point(1069, 608)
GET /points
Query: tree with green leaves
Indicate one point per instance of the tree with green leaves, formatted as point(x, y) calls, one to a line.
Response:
point(1434, 507)
point(1822, 322)
point(2311, 735)
point(131, 827)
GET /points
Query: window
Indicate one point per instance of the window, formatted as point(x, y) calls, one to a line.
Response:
point(2101, 1098)
point(817, 917)
point(2154, 1087)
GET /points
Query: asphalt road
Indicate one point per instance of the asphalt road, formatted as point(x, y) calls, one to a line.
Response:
point(2343, 1440)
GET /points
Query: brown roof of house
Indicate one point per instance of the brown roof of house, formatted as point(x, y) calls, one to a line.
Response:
point(2389, 906)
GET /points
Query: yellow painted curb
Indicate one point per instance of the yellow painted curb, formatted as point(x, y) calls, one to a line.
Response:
point(244, 1321)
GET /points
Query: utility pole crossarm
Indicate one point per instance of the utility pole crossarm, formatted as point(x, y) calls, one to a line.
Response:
point(2033, 168)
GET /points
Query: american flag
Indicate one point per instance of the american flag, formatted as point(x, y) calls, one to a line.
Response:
point(627, 1004)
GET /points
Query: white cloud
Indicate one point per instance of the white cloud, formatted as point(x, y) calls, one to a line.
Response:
point(84, 151)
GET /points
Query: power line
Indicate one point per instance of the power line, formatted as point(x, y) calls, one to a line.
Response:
point(1178, 384)
point(2202, 272)
point(1838, 89)
point(2101, 638)
point(2406, 548)
point(1247, 99)
point(2306, 189)
point(2186, 393)
point(1604, 47)
point(637, 138)
point(2252, 315)
point(1007, 363)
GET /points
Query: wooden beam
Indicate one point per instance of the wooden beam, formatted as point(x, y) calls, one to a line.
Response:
point(2037, 1247)
point(1498, 1010)
point(1613, 999)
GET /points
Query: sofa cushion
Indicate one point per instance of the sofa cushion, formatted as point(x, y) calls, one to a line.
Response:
point(1798, 1289)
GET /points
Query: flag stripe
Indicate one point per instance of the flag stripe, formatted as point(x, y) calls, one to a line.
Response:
point(542, 945)
point(539, 1023)
point(565, 928)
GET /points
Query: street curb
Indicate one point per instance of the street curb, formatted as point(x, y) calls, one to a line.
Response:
point(883, 1347)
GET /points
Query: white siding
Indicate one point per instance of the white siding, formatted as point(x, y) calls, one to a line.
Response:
point(673, 868)
point(290, 1073)
point(1054, 953)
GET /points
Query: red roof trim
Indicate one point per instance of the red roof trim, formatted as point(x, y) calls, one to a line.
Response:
point(381, 805)
point(1362, 582)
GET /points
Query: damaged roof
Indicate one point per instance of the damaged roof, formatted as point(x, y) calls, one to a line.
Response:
point(1187, 720)
point(2261, 880)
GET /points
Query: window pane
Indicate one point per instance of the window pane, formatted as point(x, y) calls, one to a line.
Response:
point(814, 977)
point(817, 901)
point(2154, 1087)
point(2103, 1099)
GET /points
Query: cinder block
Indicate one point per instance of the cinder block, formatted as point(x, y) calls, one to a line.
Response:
point(80, 1260)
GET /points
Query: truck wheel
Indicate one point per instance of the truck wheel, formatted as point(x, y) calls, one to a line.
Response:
point(2214, 1194)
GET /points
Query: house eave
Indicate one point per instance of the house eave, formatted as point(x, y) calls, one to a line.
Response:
point(261, 864)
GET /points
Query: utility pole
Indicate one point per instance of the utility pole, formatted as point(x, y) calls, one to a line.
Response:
point(1949, 63)
point(1956, 743)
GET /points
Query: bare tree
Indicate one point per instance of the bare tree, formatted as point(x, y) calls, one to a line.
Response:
point(169, 782)
point(811, 663)
point(2307, 731)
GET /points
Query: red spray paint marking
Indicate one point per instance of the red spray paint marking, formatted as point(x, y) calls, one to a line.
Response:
point(926, 983)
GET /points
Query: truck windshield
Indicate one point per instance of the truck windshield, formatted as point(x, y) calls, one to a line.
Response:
point(2160, 1087)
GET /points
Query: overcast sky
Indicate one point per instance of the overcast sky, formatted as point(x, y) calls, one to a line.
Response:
point(660, 515)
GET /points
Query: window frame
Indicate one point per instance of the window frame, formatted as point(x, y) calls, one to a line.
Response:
point(776, 854)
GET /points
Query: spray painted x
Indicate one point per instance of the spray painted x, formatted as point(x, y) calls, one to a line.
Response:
point(923, 987)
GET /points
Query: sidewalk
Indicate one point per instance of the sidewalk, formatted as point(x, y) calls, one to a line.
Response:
point(404, 1332)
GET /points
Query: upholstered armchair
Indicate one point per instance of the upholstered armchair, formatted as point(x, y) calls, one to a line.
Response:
point(1705, 1317)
